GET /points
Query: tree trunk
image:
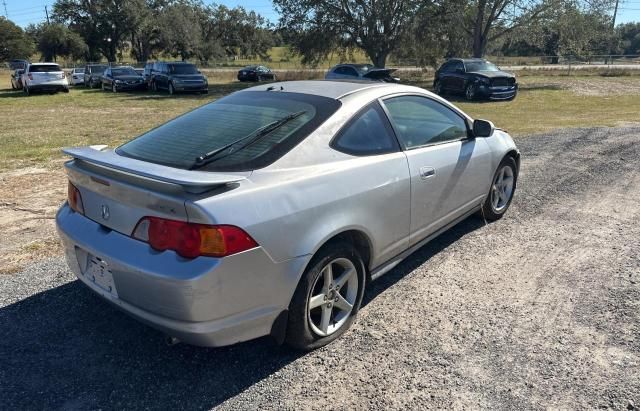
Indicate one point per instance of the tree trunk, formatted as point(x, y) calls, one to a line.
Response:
point(479, 40)
point(378, 58)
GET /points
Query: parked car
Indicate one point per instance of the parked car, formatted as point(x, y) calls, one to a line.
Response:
point(46, 77)
point(76, 76)
point(268, 212)
point(122, 78)
point(18, 64)
point(93, 75)
point(475, 79)
point(360, 72)
point(256, 73)
point(146, 72)
point(16, 79)
point(178, 76)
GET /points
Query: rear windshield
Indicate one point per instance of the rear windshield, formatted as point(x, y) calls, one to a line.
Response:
point(182, 69)
point(44, 68)
point(181, 141)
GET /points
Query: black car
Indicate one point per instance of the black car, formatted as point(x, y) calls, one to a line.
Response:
point(122, 78)
point(93, 75)
point(365, 72)
point(17, 64)
point(177, 76)
point(475, 79)
point(256, 73)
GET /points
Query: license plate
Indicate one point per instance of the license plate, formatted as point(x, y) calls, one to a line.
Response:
point(98, 273)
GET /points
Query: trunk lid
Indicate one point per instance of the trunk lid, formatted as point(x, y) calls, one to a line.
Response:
point(118, 191)
point(378, 74)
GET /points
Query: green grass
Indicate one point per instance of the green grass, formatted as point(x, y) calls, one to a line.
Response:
point(34, 129)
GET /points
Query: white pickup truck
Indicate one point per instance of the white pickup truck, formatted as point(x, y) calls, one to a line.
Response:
point(46, 77)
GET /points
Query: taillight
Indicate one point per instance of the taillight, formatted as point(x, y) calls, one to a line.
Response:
point(192, 240)
point(74, 198)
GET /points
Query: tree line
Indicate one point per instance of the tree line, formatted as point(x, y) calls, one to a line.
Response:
point(423, 31)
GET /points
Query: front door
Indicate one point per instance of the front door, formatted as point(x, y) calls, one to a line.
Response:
point(450, 170)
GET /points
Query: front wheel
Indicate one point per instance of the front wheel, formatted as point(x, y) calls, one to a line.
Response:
point(327, 299)
point(114, 89)
point(502, 189)
point(437, 87)
point(470, 92)
point(171, 89)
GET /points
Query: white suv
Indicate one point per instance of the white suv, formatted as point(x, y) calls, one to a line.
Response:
point(47, 77)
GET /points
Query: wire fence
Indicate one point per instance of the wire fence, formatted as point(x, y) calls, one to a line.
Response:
point(511, 62)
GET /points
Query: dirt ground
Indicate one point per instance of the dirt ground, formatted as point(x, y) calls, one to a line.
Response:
point(538, 310)
point(29, 199)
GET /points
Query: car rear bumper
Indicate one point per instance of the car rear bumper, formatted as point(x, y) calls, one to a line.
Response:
point(204, 301)
point(48, 87)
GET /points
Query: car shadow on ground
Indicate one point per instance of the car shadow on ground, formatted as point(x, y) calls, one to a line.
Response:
point(66, 348)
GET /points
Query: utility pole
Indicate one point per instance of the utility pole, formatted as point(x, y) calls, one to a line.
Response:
point(613, 30)
point(47, 13)
point(6, 14)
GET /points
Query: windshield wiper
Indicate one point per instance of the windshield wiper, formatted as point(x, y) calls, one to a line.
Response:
point(245, 141)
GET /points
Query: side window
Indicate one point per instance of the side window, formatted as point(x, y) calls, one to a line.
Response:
point(419, 121)
point(350, 71)
point(339, 70)
point(459, 66)
point(447, 68)
point(368, 133)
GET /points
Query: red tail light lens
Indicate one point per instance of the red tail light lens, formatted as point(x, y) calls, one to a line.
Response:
point(192, 240)
point(74, 198)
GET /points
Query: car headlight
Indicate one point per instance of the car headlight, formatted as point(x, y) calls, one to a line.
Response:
point(118, 81)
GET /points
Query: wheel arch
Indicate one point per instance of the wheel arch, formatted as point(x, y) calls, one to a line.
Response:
point(360, 240)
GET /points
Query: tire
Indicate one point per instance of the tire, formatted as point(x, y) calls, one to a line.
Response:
point(114, 89)
point(26, 91)
point(307, 328)
point(102, 87)
point(470, 92)
point(172, 91)
point(13, 87)
point(494, 208)
point(437, 87)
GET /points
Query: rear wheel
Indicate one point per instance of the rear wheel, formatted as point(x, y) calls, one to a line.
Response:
point(327, 298)
point(502, 189)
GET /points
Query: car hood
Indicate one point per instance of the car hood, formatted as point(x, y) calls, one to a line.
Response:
point(378, 73)
point(492, 74)
point(128, 78)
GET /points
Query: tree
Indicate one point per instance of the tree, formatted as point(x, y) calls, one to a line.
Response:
point(53, 40)
point(14, 43)
point(320, 27)
point(488, 20)
point(628, 37)
point(104, 24)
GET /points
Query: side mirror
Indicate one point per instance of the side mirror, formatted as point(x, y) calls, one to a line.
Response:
point(483, 128)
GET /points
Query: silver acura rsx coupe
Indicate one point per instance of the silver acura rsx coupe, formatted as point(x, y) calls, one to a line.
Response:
point(268, 211)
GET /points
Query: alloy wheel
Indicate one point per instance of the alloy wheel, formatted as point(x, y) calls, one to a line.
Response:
point(332, 297)
point(470, 92)
point(502, 189)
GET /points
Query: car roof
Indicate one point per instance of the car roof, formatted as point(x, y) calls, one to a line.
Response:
point(325, 88)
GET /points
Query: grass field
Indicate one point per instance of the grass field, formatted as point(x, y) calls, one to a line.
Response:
point(34, 129)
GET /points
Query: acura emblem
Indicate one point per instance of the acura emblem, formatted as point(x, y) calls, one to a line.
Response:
point(105, 212)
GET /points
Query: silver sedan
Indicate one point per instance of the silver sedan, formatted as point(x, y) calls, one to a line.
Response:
point(268, 211)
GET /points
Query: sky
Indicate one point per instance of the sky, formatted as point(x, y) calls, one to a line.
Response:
point(23, 12)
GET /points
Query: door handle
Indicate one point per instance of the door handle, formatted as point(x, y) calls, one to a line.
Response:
point(426, 172)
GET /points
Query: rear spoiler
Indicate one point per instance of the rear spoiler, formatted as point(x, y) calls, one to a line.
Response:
point(198, 180)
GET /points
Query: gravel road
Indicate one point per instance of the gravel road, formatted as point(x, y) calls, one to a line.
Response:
point(540, 309)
